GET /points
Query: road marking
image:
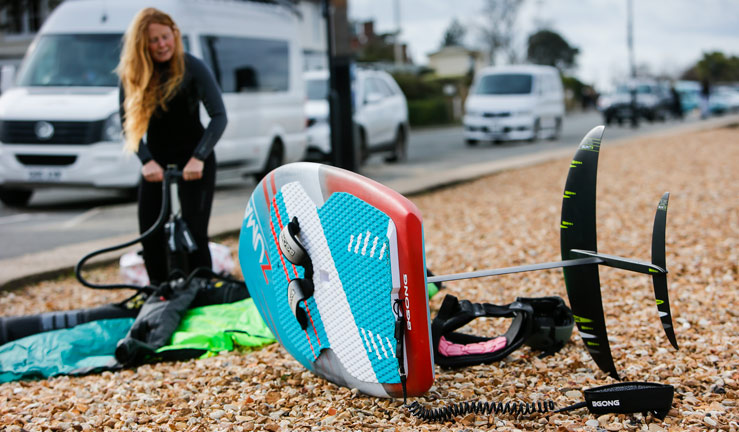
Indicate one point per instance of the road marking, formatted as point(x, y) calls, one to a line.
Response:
point(15, 218)
point(81, 218)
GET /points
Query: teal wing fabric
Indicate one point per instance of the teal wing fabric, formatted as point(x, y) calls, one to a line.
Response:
point(84, 348)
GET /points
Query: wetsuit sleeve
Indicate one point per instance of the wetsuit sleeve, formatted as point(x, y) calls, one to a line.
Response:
point(210, 94)
point(143, 152)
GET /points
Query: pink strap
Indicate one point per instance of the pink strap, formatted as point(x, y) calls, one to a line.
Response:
point(450, 349)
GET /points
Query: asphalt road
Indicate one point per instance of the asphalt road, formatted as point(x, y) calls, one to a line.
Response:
point(60, 217)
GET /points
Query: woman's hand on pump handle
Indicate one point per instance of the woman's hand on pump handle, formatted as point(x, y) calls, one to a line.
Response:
point(193, 170)
point(152, 171)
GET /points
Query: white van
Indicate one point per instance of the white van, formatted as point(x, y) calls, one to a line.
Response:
point(59, 125)
point(524, 102)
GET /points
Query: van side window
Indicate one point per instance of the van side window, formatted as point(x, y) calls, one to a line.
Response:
point(242, 64)
point(384, 88)
point(371, 87)
point(546, 84)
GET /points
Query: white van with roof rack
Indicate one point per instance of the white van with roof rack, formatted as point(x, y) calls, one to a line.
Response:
point(515, 102)
point(59, 125)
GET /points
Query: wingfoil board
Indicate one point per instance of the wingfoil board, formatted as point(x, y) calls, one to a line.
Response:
point(365, 242)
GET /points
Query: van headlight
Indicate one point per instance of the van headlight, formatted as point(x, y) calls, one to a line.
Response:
point(112, 128)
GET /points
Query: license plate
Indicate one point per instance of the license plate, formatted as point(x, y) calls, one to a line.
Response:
point(45, 175)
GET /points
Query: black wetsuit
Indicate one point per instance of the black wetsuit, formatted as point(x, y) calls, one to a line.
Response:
point(174, 136)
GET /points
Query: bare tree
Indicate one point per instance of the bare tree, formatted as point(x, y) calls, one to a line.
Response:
point(498, 28)
point(17, 16)
point(454, 34)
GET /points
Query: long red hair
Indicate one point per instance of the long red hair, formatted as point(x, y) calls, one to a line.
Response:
point(140, 78)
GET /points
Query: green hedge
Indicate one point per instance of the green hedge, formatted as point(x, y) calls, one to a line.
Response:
point(426, 112)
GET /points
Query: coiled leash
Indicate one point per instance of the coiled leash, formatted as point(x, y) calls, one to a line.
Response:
point(619, 398)
point(544, 324)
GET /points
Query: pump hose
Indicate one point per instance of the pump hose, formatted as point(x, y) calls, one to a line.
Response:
point(169, 174)
point(486, 408)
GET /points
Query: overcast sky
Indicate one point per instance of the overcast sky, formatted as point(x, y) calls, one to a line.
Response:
point(669, 35)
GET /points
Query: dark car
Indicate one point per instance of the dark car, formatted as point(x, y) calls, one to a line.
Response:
point(652, 102)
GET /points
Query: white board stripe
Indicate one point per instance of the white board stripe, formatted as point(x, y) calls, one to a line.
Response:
point(351, 239)
point(364, 335)
point(390, 345)
point(372, 339)
point(382, 345)
point(366, 239)
point(382, 251)
point(374, 245)
point(359, 240)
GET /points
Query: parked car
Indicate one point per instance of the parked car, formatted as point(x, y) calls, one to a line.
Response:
point(723, 99)
point(690, 94)
point(653, 102)
point(523, 102)
point(380, 115)
point(59, 126)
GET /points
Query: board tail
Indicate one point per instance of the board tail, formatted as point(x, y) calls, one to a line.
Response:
point(659, 279)
point(577, 231)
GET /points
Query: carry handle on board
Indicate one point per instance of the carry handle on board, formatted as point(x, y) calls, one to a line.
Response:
point(580, 256)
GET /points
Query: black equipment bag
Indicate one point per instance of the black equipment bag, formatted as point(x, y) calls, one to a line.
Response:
point(161, 313)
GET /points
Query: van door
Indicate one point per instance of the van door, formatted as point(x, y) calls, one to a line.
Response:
point(372, 112)
point(391, 105)
point(547, 98)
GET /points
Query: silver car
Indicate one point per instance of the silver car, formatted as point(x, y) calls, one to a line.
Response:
point(380, 114)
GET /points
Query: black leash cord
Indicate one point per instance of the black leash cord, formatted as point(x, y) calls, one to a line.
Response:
point(168, 175)
point(622, 397)
point(450, 411)
point(400, 338)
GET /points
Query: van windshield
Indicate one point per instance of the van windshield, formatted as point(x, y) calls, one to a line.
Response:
point(317, 89)
point(72, 61)
point(504, 84)
point(640, 89)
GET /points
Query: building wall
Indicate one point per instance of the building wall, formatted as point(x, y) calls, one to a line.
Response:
point(455, 61)
point(313, 35)
point(20, 21)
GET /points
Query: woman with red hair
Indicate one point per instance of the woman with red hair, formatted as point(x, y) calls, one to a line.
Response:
point(160, 95)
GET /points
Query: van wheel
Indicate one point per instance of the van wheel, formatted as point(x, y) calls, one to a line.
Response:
point(274, 160)
point(400, 148)
point(361, 153)
point(557, 129)
point(470, 142)
point(536, 131)
point(15, 197)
